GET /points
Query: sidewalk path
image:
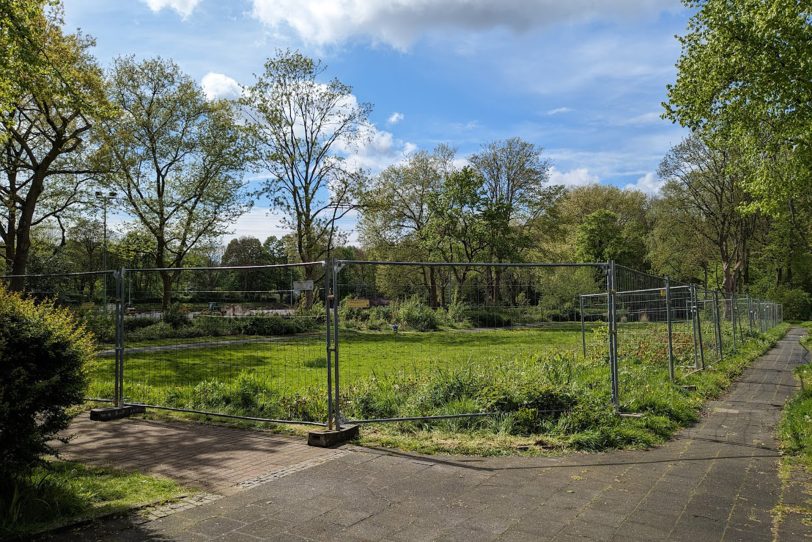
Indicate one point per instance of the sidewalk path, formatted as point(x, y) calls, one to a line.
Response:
point(716, 481)
point(216, 459)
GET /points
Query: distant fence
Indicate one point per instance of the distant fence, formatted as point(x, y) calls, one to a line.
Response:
point(327, 343)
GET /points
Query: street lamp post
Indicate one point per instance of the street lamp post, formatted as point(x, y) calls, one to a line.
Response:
point(106, 198)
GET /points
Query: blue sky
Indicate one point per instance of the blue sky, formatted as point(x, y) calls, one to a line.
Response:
point(584, 79)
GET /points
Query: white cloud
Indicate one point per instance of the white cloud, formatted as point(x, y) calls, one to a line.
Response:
point(377, 150)
point(559, 111)
point(400, 23)
point(574, 177)
point(184, 8)
point(652, 117)
point(395, 118)
point(218, 85)
point(649, 184)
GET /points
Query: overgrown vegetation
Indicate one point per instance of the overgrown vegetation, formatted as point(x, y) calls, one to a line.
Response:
point(59, 493)
point(553, 401)
point(796, 425)
point(544, 393)
point(43, 352)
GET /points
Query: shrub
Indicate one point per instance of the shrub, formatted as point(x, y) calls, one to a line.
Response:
point(131, 323)
point(42, 351)
point(158, 330)
point(797, 302)
point(417, 316)
point(488, 318)
point(274, 325)
point(100, 323)
point(177, 316)
point(217, 326)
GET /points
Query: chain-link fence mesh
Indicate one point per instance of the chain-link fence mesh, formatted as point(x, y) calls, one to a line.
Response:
point(394, 340)
point(246, 341)
point(424, 340)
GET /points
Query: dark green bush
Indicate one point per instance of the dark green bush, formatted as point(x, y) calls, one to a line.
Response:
point(177, 316)
point(489, 318)
point(131, 323)
point(797, 302)
point(42, 351)
point(415, 315)
point(273, 325)
point(100, 323)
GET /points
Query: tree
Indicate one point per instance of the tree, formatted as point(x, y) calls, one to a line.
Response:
point(704, 190)
point(46, 145)
point(176, 158)
point(515, 189)
point(744, 75)
point(600, 238)
point(630, 208)
point(247, 251)
point(21, 44)
point(398, 212)
point(673, 247)
point(300, 126)
point(457, 222)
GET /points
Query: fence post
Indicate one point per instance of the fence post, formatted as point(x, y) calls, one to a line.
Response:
point(733, 319)
point(612, 310)
point(717, 318)
point(692, 311)
point(669, 326)
point(750, 313)
point(118, 276)
point(327, 306)
point(337, 411)
point(699, 363)
point(583, 327)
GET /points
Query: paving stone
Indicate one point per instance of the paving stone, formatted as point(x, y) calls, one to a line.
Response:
point(716, 479)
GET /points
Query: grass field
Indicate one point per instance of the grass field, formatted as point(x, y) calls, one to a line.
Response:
point(294, 367)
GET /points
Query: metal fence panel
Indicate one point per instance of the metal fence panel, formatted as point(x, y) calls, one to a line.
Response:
point(327, 342)
point(238, 341)
point(416, 338)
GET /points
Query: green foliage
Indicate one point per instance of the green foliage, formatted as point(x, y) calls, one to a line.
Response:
point(796, 301)
point(192, 187)
point(304, 166)
point(490, 317)
point(796, 425)
point(410, 315)
point(601, 238)
point(740, 77)
point(58, 493)
point(417, 316)
point(43, 350)
point(177, 316)
point(218, 326)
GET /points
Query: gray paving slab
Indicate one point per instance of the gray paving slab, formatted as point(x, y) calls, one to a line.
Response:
point(716, 481)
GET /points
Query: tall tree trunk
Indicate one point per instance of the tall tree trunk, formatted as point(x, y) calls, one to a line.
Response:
point(166, 284)
point(432, 287)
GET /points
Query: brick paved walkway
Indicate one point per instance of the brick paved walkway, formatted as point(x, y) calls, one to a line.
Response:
point(216, 459)
point(716, 481)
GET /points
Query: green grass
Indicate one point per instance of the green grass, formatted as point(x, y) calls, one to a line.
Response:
point(795, 434)
point(61, 493)
point(178, 340)
point(551, 397)
point(295, 366)
point(796, 425)
point(590, 423)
